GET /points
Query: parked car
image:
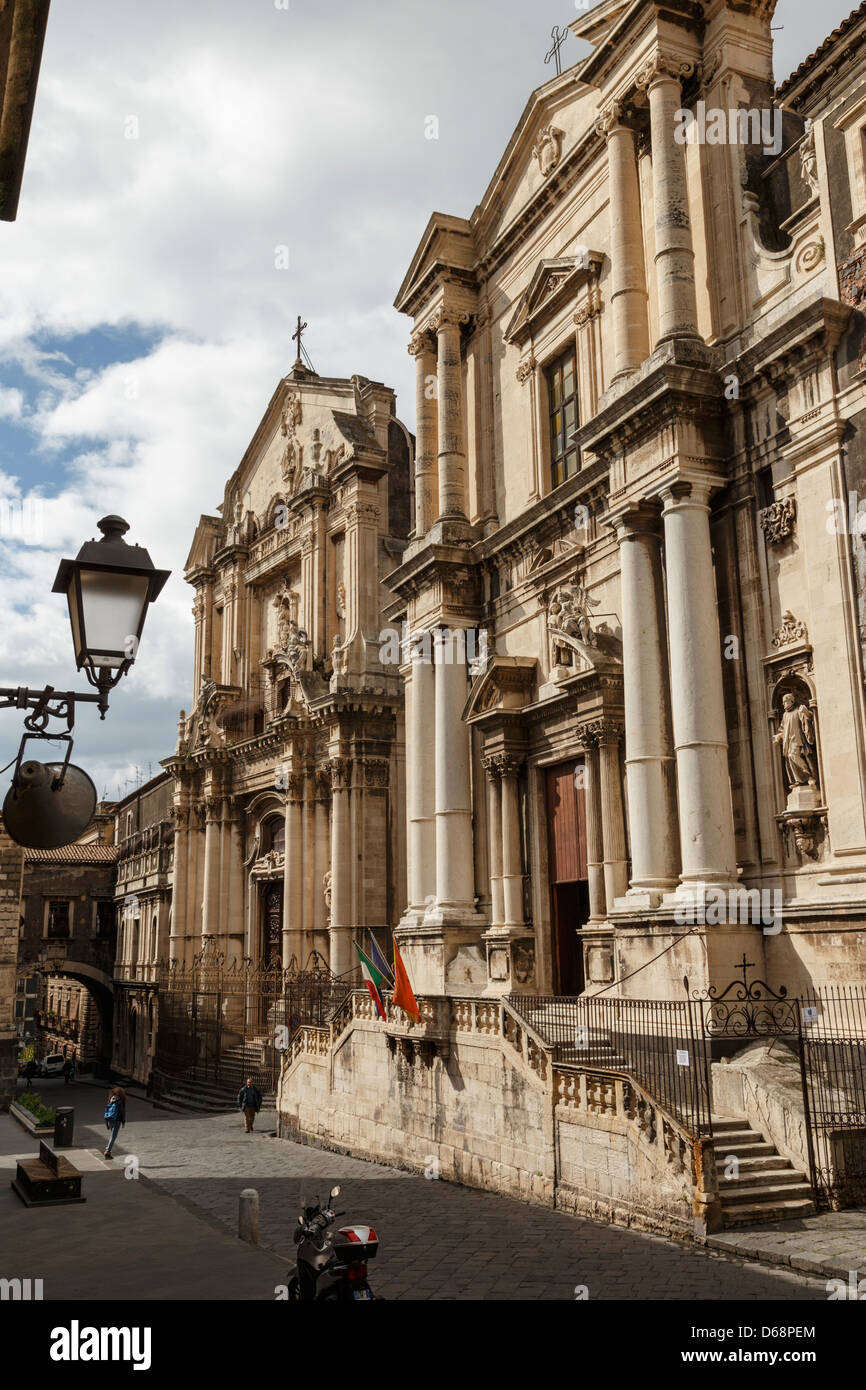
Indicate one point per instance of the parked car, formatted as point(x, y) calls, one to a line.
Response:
point(52, 1065)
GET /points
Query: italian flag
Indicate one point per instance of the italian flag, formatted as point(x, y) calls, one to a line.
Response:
point(372, 979)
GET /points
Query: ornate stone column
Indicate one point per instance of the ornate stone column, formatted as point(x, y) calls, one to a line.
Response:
point(234, 921)
point(452, 448)
point(661, 75)
point(628, 296)
point(427, 433)
point(455, 877)
point(211, 885)
point(607, 734)
point(512, 859)
point(649, 752)
point(420, 781)
point(594, 838)
point(293, 874)
point(494, 832)
point(322, 859)
point(180, 870)
point(339, 927)
point(700, 731)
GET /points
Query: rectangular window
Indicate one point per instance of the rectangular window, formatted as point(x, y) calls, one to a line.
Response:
point(58, 919)
point(104, 918)
point(562, 406)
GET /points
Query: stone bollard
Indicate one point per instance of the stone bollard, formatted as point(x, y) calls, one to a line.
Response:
point(248, 1216)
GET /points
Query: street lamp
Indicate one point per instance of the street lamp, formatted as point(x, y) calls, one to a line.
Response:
point(108, 586)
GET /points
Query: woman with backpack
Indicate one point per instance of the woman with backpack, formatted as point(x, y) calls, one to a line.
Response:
point(115, 1115)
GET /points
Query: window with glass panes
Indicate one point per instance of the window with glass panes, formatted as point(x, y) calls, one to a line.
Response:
point(562, 404)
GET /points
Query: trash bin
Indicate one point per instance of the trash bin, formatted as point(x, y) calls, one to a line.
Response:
point(64, 1124)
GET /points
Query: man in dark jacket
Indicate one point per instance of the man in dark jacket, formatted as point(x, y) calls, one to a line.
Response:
point(250, 1101)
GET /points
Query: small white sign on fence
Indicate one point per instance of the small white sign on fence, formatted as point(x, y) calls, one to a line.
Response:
point(810, 1013)
point(682, 1057)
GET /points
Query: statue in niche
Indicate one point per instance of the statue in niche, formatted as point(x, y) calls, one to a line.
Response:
point(326, 889)
point(286, 604)
point(297, 645)
point(797, 737)
point(569, 612)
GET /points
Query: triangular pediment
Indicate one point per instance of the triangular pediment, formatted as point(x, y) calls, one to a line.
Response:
point(554, 281)
point(505, 687)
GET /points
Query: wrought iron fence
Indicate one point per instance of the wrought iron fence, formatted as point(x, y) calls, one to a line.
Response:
point(657, 1041)
point(221, 1021)
point(833, 1030)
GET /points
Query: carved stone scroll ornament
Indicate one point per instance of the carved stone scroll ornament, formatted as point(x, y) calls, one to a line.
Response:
point(526, 368)
point(778, 521)
point(791, 630)
point(660, 65)
point(547, 149)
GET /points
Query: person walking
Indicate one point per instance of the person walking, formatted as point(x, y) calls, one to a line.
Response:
point(250, 1101)
point(115, 1116)
point(68, 1071)
point(29, 1073)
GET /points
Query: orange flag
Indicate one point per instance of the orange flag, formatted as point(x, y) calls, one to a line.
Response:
point(403, 995)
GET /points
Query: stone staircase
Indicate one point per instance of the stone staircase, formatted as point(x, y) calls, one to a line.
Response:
point(767, 1187)
point(203, 1097)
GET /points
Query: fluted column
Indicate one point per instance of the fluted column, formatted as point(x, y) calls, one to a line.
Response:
point(427, 433)
point(662, 76)
point(234, 921)
point(607, 734)
point(699, 726)
point(452, 448)
point(340, 925)
point(293, 875)
point(455, 877)
point(649, 752)
point(494, 833)
point(420, 780)
point(628, 297)
point(594, 838)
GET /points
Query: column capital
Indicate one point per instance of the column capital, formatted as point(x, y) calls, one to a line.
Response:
point(616, 115)
point(448, 316)
point(640, 517)
point(339, 774)
point(503, 764)
point(660, 66)
point(420, 342)
point(601, 731)
point(690, 492)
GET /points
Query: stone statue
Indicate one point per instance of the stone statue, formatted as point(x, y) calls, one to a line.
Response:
point(569, 612)
point(296, 647)
point(338, 656)
point(809, 161)
point(326, 888)
point(285, 604)
point(797, 737)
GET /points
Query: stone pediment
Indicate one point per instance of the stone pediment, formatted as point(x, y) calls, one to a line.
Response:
point(505, 687)
point(553, 284)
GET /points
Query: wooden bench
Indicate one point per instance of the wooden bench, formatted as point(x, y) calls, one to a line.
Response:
point(49, 1180)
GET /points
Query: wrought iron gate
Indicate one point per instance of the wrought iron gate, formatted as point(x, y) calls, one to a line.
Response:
point(221, 1022)
point(826, 1031)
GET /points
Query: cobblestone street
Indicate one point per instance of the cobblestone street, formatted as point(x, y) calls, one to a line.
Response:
point(437, 1240)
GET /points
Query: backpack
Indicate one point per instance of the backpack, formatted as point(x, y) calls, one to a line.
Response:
point(112, 1109)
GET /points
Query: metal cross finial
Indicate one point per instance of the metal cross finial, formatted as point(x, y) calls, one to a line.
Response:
point(559, 36)
point(297, 336)
point(745, 965)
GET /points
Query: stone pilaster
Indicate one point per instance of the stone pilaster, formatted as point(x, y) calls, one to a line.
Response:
point(607, 733)
point(420, 781)
point(594, 837)
point(293, 874)
point(494, 831)
point(339, 927)
point(455, 878)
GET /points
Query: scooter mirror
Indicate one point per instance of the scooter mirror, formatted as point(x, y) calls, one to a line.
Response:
point(300, 1221)
point(335, 1191)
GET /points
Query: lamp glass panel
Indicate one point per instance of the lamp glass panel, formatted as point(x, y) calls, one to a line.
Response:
point(113, 607)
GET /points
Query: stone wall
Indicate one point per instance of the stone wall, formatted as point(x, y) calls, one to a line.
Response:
point(469, 1096)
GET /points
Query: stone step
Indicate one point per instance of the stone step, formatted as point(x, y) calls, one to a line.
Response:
point(779, 1191)
point(763, 1164)
point(759, 1149)
point(750, 1213)
point(724, 1123)
point(733, 1137)
point(773, 1177)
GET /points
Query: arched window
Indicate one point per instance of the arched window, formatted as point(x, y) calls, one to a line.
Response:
point(275, 835)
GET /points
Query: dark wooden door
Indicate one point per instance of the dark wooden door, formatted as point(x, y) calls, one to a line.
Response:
point(274, 921)
point(566, 852)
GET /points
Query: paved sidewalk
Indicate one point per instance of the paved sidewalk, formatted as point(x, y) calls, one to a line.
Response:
point(831, 1244)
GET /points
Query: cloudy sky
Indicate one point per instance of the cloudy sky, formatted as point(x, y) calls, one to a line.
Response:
point(145, 309)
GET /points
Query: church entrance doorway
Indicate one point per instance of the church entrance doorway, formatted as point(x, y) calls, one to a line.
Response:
point(569, 886)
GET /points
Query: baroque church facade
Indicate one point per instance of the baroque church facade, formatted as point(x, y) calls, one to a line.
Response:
point(638, 464)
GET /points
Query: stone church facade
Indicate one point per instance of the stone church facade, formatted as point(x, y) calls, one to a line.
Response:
point(639, 454)
point(287, 775)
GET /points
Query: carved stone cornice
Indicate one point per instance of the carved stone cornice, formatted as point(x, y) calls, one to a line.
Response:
point(376, 772)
